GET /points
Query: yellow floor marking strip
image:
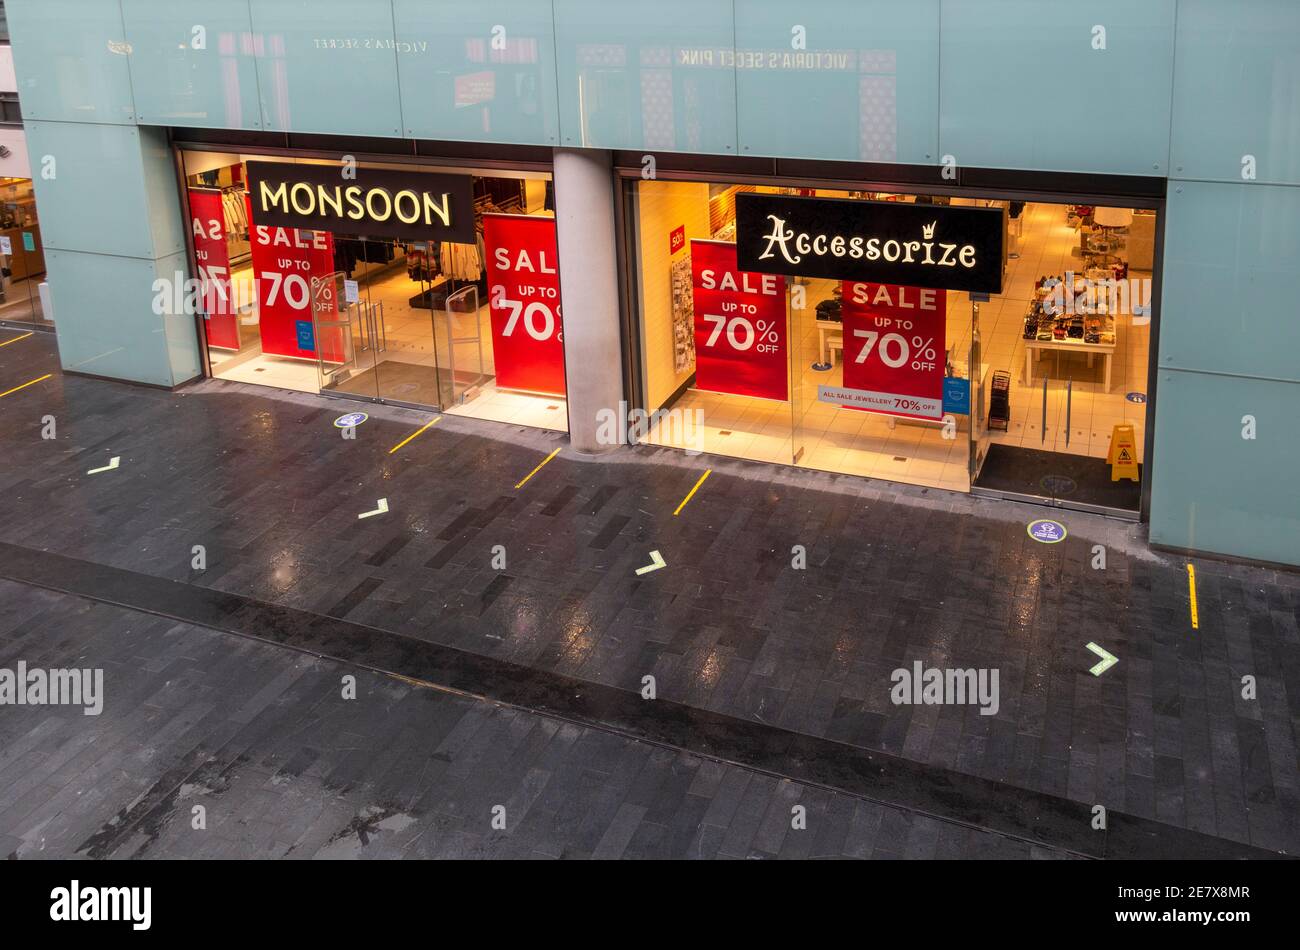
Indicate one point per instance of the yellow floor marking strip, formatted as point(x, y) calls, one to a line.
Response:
point(432, 422)
point(15, 339)
point(691, 493)
point(1191, 586)
point(25, 385)
point(538, 468)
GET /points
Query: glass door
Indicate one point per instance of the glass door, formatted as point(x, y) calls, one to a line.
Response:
point(404, 300)
point(378, 337)
point(808, 369)
point(341, 327)
point(459, 329)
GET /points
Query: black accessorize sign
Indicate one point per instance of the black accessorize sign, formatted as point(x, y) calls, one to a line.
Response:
point(375, 203)
point(942, 246)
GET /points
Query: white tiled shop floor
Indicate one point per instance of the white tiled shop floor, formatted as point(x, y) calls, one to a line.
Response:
point(1047, 247)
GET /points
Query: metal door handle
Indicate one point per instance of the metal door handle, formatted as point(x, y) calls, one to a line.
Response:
point(1044, 436)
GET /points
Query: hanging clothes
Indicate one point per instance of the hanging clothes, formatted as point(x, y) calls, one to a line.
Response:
point(235, 210)
point(460, 261)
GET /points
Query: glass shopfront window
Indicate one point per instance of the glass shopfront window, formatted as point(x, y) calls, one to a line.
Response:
point(472, 325)
point(22, 260)
point(942, 388)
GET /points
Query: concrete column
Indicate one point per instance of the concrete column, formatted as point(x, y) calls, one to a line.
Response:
point(593, 364)
point(112, 228)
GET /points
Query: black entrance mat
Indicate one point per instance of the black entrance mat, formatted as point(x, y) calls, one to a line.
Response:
point(1071, 478)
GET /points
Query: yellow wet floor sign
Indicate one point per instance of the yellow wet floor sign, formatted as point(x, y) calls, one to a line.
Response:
point(1122, 456)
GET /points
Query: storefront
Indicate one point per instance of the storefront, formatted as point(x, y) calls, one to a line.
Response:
point(885, 358)
point(427, 285)
point(993, 341)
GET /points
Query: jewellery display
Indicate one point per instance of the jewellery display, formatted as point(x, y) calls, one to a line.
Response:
point(1065, 314)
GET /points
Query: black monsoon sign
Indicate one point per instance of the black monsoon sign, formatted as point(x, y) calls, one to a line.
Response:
point(942, 246)
point(371, 202)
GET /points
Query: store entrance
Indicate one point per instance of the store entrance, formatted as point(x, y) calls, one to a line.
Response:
point(1070, 417)
point(391, 331)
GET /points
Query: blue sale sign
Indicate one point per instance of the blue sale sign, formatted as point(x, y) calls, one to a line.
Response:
point(306, 335)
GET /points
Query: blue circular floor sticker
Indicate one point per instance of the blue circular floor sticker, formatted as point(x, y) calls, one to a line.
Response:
point(1048, 532)
point(1136, 397)
point(350, 420)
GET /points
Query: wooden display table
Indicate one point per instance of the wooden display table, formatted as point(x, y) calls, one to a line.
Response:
point(1034, 348)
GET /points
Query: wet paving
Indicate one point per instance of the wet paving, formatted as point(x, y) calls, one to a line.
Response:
point(280, 765)
point(751, 658)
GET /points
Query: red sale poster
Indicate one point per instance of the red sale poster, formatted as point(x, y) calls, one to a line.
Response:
point(208, 227)
point(894, 348)
point(293, 270)
point(740, 325)
point(524, 300)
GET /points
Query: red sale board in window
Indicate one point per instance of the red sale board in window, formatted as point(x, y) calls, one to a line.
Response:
point(208, 228)
point(294, 274)
point(740, 325)
point(524, 300)
point(894, 348)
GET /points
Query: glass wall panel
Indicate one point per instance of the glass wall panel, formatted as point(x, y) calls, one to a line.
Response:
point(627, 83)
point(192, 63)
point(329, 66)
point(1056, 85)
point(1237, 91)
point(863, 86)
point(73, 58)
point(480, 70)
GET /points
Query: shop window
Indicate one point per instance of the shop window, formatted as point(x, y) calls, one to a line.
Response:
point(757, 366)
point(471, 324)
point(23, 291)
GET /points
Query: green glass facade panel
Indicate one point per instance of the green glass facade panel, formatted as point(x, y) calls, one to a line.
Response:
point(654, 77)
point(478, 71)
point(192, 63)
point(856, 80)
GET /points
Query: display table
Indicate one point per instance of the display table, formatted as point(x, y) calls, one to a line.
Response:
point(824, 328)
point(1034, 348)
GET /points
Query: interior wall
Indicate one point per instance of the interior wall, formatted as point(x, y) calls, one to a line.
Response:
point(662, 207)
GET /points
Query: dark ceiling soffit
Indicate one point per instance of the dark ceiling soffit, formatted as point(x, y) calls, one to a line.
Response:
point(360, 144)
point(990, 179)
point(1127, 186)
